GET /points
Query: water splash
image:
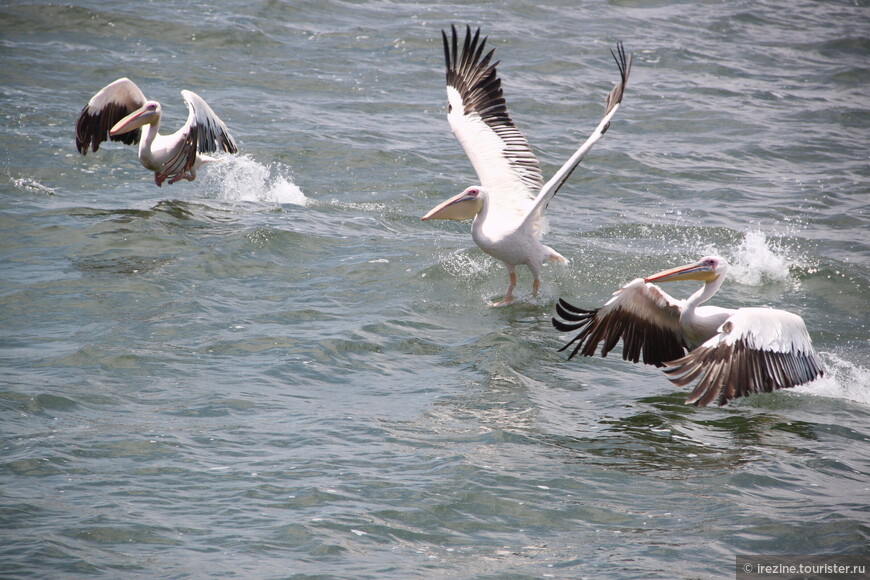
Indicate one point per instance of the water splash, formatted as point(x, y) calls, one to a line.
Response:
point(240, 178)
point(758, 260)
point(842, 380)
point(463, 264)
point(30, 184)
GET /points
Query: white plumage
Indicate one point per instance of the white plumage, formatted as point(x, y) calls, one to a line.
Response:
point(731, 353)
point(120, 112)
point(507, 207)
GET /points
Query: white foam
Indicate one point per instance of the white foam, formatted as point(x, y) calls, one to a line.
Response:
point(33, 185)
point(842, 380)
point(240, 178)
point(758, 260)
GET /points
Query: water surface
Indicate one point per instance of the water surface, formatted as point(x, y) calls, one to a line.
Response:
point(278, 371)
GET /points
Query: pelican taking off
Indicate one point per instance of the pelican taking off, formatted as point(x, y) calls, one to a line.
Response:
point(508, 205)
point(732, 353)
point(121, 112)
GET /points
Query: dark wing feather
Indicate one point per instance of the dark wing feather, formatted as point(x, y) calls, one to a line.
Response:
point(212, 133)
point(644, 318)
point(624, 63)
point(472, 74)
point(114, 102)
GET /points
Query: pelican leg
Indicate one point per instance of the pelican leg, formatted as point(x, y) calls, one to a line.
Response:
point(535, 285)
point(188, 172)
point(188, 175)
point(508, 296)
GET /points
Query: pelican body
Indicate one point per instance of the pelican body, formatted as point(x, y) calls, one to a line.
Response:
point(121, 112)
point(508, 205)
point(731, 353)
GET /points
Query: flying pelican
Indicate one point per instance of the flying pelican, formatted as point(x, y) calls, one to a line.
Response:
point(508, 205)
point(120, 112)
point(732, 353)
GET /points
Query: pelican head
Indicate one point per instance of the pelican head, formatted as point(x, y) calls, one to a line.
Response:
point(148, 113)
point(464, 206)
point(707, 269)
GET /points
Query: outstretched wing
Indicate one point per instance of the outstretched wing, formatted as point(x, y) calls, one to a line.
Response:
point(114, 102)
point(479, 118)
point(611, 105)
point(757, 350)
point(645, 318)
point(204, 132)
point(211, 133)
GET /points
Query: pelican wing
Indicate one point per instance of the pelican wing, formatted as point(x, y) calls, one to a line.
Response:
point(611, 105)
point(479, 118)
point(757, 350)
point(204, 132)
point(211, 133)
point(645, 318)
point(114, 102)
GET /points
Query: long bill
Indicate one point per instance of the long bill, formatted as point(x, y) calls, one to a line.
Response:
point(134, 120)
point(459, 207)
point(700, 271)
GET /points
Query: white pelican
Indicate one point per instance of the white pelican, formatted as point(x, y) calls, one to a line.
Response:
point(121, 112)
point(508, 205)
point(732, 353)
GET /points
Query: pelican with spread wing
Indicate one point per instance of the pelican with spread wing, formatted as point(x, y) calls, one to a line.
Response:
point(731, 353)
point(121, 112)
point(508, 205)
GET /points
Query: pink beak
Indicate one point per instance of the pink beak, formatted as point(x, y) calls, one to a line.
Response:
point(132, 121)
point(458, 207)
point(694, 271)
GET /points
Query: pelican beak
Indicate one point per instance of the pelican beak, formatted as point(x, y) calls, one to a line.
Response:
point(700, 271)
point(134, 120)
point(460, 207)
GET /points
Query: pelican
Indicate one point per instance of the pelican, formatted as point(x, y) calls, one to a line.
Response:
point(508, 205)
point(732, 353)
point(121, 112)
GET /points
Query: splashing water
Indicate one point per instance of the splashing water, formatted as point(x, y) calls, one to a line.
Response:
point(462, 264)
point(842, 380)
point(31, 184)
point(240, 178)
point(757, 260)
